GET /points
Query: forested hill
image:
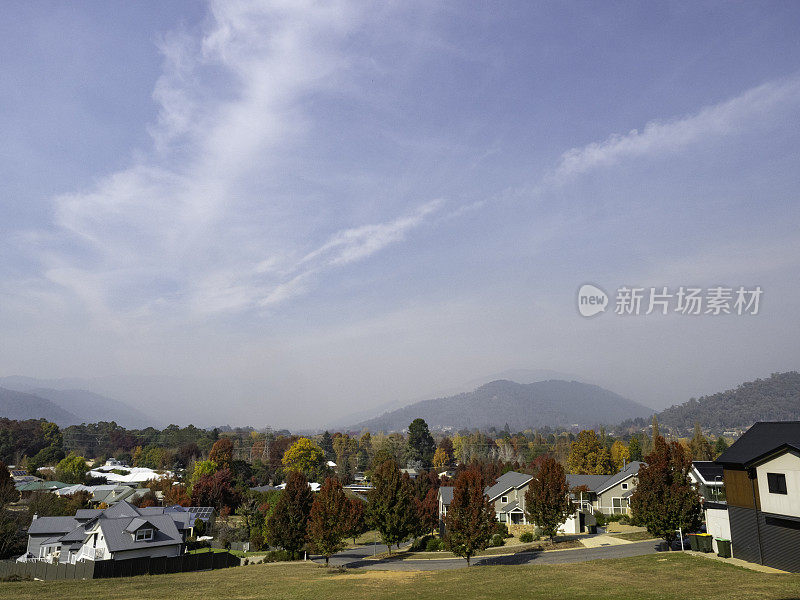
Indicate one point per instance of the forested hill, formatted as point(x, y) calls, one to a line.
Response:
point(776, 398)
point(545, 403)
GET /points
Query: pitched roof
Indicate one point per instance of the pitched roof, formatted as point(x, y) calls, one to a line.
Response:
point(630, 470)
point(507, 481)
point(709, 472)
point(762, 439)
point(118, 536)
point(446, 492)
point(52, 525)
point(508, 507)
point(592, 482)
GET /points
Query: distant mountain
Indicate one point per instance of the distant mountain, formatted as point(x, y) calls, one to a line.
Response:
point(21, 406)
point(544, 403)
point(776, 398)
point(83, 406)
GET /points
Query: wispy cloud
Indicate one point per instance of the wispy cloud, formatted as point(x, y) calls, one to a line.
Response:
point(656, 137)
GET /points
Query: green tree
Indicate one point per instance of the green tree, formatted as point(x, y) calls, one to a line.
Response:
point(202, 468)
point(547, 502)
point(305, 457)
point(470, 520)
point(420, 442)
point(390, 507)
point(51, 455)
point(72, 469)
point(635, 448)
point(328, 520)
point(720, 446)
point(699, 445)
point(286, 526)
point(8, 493)
point(588, 456)
point(326, 443)
point(665, 500)
point(655, 432)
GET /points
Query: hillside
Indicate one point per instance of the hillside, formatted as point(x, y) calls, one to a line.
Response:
point(776, 398)
point(21, 406)
point(91, 407)
point(545, 403)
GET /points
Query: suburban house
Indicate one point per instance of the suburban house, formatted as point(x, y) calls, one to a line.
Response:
point(508, 496)
point(107, 493)
point(761, 514)
point(115, 533)
point(608, 494)
point(706, 476)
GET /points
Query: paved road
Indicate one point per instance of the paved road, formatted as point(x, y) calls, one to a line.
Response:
point(356, 558)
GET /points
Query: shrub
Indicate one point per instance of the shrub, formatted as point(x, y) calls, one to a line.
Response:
point(600, 518)
point(501, 529)
point(497, 540)
point(526, 538)
point(277, 556)
point(434, 545)
point(421, 543)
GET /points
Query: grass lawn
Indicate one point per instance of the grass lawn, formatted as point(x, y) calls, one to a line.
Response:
point(633, 536)
point(510, 548)
point(662, 576)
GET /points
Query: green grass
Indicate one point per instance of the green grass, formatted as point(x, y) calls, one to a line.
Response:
point(658, 576)
point(633, 536)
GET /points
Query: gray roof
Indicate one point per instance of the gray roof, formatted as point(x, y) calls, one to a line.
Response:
point(760, 440)
point(708, 471)
point(118, 538)
point(52, 525)
point(507, 508)
point(446, 492)
point(630, 470)
point(83, 514)
point(592, 482)
point(507, 481)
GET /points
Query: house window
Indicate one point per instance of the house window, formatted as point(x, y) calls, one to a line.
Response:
point(144, 535)
point(776, 483)
point(624, 486)
point(502, 517)
point(504, 499)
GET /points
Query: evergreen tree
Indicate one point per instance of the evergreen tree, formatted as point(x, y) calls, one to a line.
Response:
point(390, 507)
point(326, 443)
point(635, 448)
point(547, 502)
point(8, 493)
point(720, 446)
point(328, 520)
point(665, 500)
point(286, 526)
point(470, 520)
point(699, 445)
point(420, 442)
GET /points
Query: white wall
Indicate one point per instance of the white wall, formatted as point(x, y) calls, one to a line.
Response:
point(718, 525)
point(782, 504)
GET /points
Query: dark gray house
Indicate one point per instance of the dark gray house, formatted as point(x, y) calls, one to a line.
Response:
point(761, 471)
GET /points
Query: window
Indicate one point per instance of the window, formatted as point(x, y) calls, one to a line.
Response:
point(502, 517)
point(624, 486)
point(504, 499)
point(776, 483)
point(144, 534)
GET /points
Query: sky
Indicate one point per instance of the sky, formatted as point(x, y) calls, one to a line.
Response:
point(280, 213)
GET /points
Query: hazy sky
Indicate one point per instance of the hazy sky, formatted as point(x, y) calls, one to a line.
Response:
point(277, 213)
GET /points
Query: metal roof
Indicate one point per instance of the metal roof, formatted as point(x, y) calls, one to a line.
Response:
point(507, 481)
point(761, 440)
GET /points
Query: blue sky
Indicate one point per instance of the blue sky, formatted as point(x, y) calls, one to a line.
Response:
point(280, 212)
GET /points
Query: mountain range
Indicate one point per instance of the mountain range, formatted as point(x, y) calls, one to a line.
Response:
point(543, 403)
point(25, 398)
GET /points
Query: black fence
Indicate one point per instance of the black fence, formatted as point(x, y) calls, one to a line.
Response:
point(102, 569)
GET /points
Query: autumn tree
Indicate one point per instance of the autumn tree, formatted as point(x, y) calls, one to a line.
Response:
point(470, 519)
point(699, 446)
point(286, 526)
point(420, 442)
point(328, 520)
point(216, 490)
point(588, 456)
point(427, 510)
point(620, 455)
point(222, 453)
point(547, 502)
point(665, 500)
point(390, 507)
point(305, 457)
point(356, 518)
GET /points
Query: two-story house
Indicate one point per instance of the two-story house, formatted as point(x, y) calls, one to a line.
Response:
point(608, 494)
point(761, 472)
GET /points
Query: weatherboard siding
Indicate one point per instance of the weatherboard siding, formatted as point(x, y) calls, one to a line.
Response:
point(787, 464)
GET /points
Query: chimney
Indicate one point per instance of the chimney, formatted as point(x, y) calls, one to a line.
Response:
point(35, 516)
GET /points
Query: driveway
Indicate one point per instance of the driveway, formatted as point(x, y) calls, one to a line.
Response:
point(357, 558)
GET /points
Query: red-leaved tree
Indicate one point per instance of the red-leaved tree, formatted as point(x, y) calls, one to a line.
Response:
point(327, 522)
point(470, 519)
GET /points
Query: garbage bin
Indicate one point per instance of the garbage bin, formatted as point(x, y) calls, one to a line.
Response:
point(704, 542)
point(723, 548)
point(693, 542)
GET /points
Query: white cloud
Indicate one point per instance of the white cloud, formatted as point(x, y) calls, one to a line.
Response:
point(658, 137)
